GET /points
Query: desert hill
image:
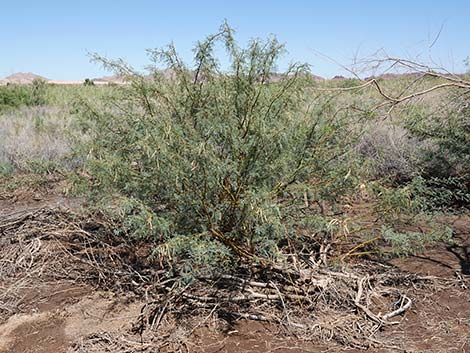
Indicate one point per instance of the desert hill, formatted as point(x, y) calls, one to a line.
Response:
point(22, 78)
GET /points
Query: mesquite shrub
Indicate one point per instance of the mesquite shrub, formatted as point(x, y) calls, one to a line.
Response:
point(444, 181)
point(216, 164)
point(15, 96)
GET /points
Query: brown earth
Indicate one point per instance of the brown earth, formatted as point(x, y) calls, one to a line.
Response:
point(59, 315)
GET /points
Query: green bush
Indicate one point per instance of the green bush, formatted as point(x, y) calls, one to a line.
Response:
point(409, 243)
point(15, 96)
point(444, 137)
point(216, 164)
point(38, 92)
point(6, 169)
point(426, 147)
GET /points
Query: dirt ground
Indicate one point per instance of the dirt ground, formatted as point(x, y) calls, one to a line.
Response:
point(60, 317)
point(49, 315)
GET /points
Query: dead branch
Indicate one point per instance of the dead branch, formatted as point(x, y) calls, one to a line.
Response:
point(319, 301)
point(357, 302)
point(405, 305)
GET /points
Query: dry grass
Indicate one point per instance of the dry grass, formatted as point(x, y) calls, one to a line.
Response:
point(391, 149)
point(40, 134)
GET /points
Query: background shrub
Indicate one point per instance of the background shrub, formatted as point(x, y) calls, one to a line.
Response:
point(15, 96)
point(425, 146)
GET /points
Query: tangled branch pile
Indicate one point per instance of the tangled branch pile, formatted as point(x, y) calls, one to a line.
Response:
point(346, 304)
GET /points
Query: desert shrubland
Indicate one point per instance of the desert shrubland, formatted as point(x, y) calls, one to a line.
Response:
point(226, 188)
point(216, 164)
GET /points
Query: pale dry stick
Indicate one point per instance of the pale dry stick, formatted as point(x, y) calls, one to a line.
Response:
point(400, 310)
point(382, 320)
point(139, 345)
point(251, 296)
point(324, 56)
point(246, 282)
point(156, 320)
point(33, 251)
point(87, 239)
point(163, 310)
point(344, 89)
point(383, 344)
point(394, 101)
point(5, 226)
point(205, 319)
point(359, 246)
point(451, 80)
point(10, 293)
point(426, 70)
point(357, 301)
point(90, 262)
point(257, 317)
point(324, 249)
point(346, 275)
point(283, 303)
point(316, 283)
point(461, 280)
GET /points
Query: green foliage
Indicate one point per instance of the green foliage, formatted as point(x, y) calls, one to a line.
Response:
point(408, 243)
point(437, 193)
point(425, 147)
point(399, 209)
point(396, 204)
point(135, 218)
point(6, 169)
point(215, 163)
point(193, 254)
point(42, 167)
point(88, 82)
point(15, 96)
point(38, 92)
point(66, 95)
point(445, 147)
point(350, 82)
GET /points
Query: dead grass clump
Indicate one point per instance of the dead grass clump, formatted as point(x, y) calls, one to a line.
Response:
point(36, 135)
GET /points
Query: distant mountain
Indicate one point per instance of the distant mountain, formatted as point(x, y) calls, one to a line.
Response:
point(110, 79)
point(317, 78)
point(170, 74)
point(22, 78)
point(276, 77)
point(392, 76)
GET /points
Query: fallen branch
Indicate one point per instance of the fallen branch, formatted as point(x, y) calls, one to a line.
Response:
point(406, 304)
point(357, 302)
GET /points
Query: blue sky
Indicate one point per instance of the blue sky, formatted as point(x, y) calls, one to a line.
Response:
point(52, 38)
